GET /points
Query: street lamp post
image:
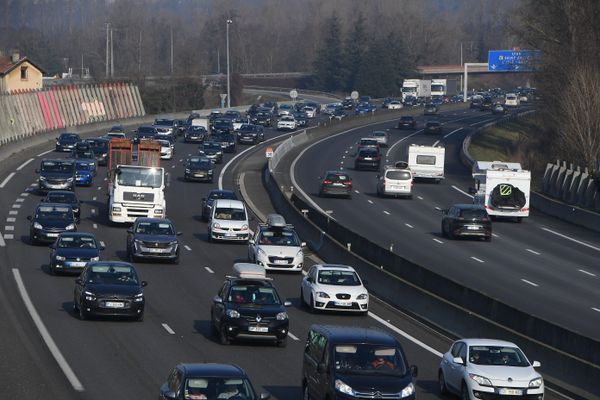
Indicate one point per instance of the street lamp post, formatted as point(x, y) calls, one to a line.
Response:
point(229, 22)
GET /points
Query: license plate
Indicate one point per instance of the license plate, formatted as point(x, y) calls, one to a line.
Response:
point(338, 184)
point(280, 261)
point(52, 234)
point(510, 392)
point(200, 175)
point(76, 264)
point(158, 250)
point(343, 303)
point(368, 158)
point(230, 234)
point(258, 329)
point(472, 228)
point(114, 304)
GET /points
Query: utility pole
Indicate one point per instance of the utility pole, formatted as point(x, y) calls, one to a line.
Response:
point(140, 54)
point(107, 53)
point(171, 52)
point(461, 64)
point(229, 22)
point(112, 57)
point(218, 62)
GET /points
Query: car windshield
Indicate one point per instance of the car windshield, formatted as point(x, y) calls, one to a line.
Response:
point(408, 119)
point(139, 177)
point(497, 355)
point(279, 237)
point(75, 242)
point(473, 213)
point(146, 130)
point(232, 214)
point(338, 277)
point(211, 146)
point(213, 388)
point(61, 198)
point(69, 136)
point(197, 129)
point(57, 166)
point(112, 275)
point(368, 359)
point(154, 228)
point(83, 166)
point(221, 194)
point(200, 164)
point(368, 142)
point(54, 212)
point(253, 294)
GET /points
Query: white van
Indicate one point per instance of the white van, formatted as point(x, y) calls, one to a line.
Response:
point(511, 100)
point(426, 162)
point(228, 221)
point(395, 181)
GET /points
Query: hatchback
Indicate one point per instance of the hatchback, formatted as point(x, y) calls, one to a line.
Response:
point(335, 183)
point(367, 158)
point(434, 127)
point(466, 220)
point(72, 251)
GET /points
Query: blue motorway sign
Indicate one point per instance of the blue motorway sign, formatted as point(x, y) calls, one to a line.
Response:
point(513, 61)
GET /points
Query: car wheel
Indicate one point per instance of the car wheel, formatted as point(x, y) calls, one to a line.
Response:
point(52, 269)
point(176, 260)
point(464, 392)
point(223, 339)
point(140, 318)
point(131, 257)
point(442, 383)
point(444, 233)
point(313, 308)
point(209, 237)
point(302, 302)
point(282, 342)
point(82, 314)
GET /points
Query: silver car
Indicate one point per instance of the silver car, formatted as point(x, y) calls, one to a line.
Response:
point(382, 137)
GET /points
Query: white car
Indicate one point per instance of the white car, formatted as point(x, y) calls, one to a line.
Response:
point(478, 368)
point(228, 221)
point(395, 182)
point(394, 105)
point(311, 112)
point(166, 149)
point(382, 137)
point(115, 135)
point(511, 100)
point(287, 122)
point(334, 287)
point(276, 246)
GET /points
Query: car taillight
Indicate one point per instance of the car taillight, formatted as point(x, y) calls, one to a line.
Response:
point(327, 182)
point(377, 158)
point(347, 183)
point(460, 218)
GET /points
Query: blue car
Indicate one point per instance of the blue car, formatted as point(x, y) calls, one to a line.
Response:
point(84, 173)
point(364, 108)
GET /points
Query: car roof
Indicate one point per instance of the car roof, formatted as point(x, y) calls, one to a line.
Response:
point(336, 267)
point(336, 173)
point(53, 205)
point(212, 370)
point(486, 342)
point(229, 203)
point(337, 334)
point(60, 192)
point(77, 234)
point(151, 220)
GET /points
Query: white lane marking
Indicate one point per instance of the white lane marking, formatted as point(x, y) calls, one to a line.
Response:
point(60, 359)
point(24, 194)
point(438, 240)
point(99, 187)
point(341, 162)
point(9, 228)
point(13, 212)
point(477, 259)
point(16, 206)
point(587, 272)
point(102, 244)
point(462, 191)
point(94, 198)
point(482, 122)
point(405, 335)
point(437, 208)
point(451, 133)
point(2, 242)
point(11, 219)
point(209, 270)
point(356, 191)
point(436, 143)
point(105, 179)
point(596, 309)
point(571, 239)
point(168, 328)
point(343, 156)
point(494, 235)
point(172, 166)
point(20, 167)
point(8, 236)
point(95, 226)
point(290, 334)
point(181, 159)
point(188, 248)
point(419, 197)
point(44, 153)
point(387, 153)
point(6, 180)
point(370, 201)
point(533, 252)
point(409, 225)
point(530, 283)
point(93, 211)
point(386, 212)
point(20, 200)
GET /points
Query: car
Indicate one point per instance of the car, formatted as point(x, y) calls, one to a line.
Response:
point(72, 251)
point(511, 100)
point(226, 140)
point(81, 153)
point(248, 307)
point(165, 126)
point(264, 118)
point(287, 122)
point(228, 221)
point(195, 134)
point(410, 101)
point(153, 239)
point(111, 289)
point(250, 134)
point(334, 287)
point(84, 173)
point(222, 125)
point(395, 182)
point(285, 109)
point(301, 119)
point(486, 104)
point(434, 127)
point(330, 108)
point(252, 110)
point(67, 141)
point(335, 183)
point(348, 103)
point(212, 151)
point(395, 105)
point(64, 197)
point(276, 246)
point(271, 106)
point(385, 102)
point(145, 133)
point(382, 137)
point(208, 381)
point(476, 102)
point(367, 158)
point(350, 362)
point(166, 149)
point(466, 220)
point(199, 168)
point(339, 114)
point(364, 108)
point(311, 112)
point(232, 114)
point(207, 202)
point(99, 147)
point(407, 122)
point(49, 220)
point(314, 105)
point(430, 109)
point(116, 129)
point(368, 142)
point(364, 99)
point(499, 109)
point(486, 368)
point(56, 175)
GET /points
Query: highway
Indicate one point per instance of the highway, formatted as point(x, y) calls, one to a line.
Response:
point(102, 359)
point(546, 267)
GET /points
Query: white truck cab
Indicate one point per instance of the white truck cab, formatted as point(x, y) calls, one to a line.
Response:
point(426, 162)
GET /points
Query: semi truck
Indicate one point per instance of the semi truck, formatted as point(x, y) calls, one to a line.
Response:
point(438, 87)
point(136, 181)
point(417, 88)
point(503, 188)
point(426, 162)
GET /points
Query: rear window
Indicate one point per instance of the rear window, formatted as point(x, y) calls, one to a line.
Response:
point(433, 124)
point(368, 153)
point(398, 175)
point(473, 214)
point(406, 119)
point(426, 160)
point(338, 177)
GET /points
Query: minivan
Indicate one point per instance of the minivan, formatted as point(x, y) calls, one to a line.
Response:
point(344, 362)
point(228, 221)
point(395, 182)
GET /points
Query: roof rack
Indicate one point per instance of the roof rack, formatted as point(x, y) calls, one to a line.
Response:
point(248, 271)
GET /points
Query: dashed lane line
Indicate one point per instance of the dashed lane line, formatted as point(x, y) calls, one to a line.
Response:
point(462, 191)
point(6, 180)
point(16, 206)
point(438, 241)
point(11, 219)
point(596, 309)
point(420, 197)
point(294, 337)
point(583, 271)
point(9, 228)
point(20, 167)
point(571, 239)
point(13, 212)
point(99, 187)
point(477, 259)
point(409, 225)
point(357, 192)
point(9, 236)
point(2, 242)
point(386, 212)
point(533, 252)
point(20, 199)
point(495, 235)
point(530, 283)
point(24, 194)
point(94, 198)
point(44, 153)
point(209, 270)
point(95, 226)
point(188, 248)
point(370, 201)
point(168, 328)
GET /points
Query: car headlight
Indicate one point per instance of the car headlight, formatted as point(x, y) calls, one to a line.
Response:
point(341, 387)
point(363, 296)
point(483, 381)
point(37, 225)
point(300, 254)
point(42, 178)
point(261, 252)
point(89, 296)
point(216, 225)
point(138, 298)
point(232, 314)
point(187, 171)
point(70, 179)
point(70, 227)
point(116, 209)
point(536, 383)
point(244, 227)
point(58, 143)
point(95, 258)
point(282, 316)
point(61, 258)
point(322, 295)
point(408, 390)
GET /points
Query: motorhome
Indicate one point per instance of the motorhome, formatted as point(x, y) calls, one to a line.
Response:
point(426, 162)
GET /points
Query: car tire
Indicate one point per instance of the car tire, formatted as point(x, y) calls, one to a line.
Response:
point(131, 257)
point(209, 238)
point(223, 339)
point(176, 260)
point(83, 315)
point(442, 383)
point(140, 318)
point(313, 309)
point(302, 302)
point(53, 270)
point(464, 392)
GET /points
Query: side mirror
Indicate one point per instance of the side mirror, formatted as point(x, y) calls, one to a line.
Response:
point(78, 221)
point(204, 198)
point(250, 241)
point(101, 247)
point(179, 233)
point(458, 360)
point(129, 230)
point(321, 368)
point(309, 279)
point(78, 281)
point(29, 217)
point(378, 176)
point(287, 303)
point(414, 371)
point(217, 300)
point(144, 283)
point(265, 395)
point(536, 364)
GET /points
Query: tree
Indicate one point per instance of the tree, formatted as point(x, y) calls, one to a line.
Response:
point(328, 64)
point(354, 52)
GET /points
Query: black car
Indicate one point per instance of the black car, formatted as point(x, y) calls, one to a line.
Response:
point(252, 110)
point(213, 195)
point(67, 141)
point(64, 197)
point(335, 183)
point(486, 104)
point(271, 105)
point(476, 103)
point(222, 125)
point(232, 114)
point(434, 127)
point(248, 308)
point(264, 118)
point(410, 101)
point(499, 109)
point(56, 175)
point(430, 109)
point(226, 140)
point(250, 134)
point(212, 151)
point(208, 381)
point(100, 148)
point(367, 158)
point(407, 122)
point(145, 132)
point(153, 238)
point(301, 118)
point(109, 288)
point(194, 134)
point(72, 251)
point(198, 168)
point(345, 362)
point(49, 221)
point(466, 220)
point(339, 114)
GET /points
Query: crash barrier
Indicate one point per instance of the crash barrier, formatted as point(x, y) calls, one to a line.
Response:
point(570, 360)
point(28, 113)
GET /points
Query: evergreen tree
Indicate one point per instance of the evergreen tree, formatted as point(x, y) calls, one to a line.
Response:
point(354, 53)
point(328, 63)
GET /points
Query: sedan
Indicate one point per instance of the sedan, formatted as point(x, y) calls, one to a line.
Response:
point(49, 221)
point(212, 151)
point(287, 122)
point(67, 141)
point(109, 288)
point(72, 251)
point(466, 220)
point(84, 173)
point(382, 138)
point(64, 197)
point(499, 109)
point(335, 183)
point(194, 134)
point(407, 122)
point(489, 369)
point(153, 238)
point(334, 287)
point(213, 195)
point(433, 127)
point(394, 105)
point(430, 109)
point(368, 157)
point(198, 168)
